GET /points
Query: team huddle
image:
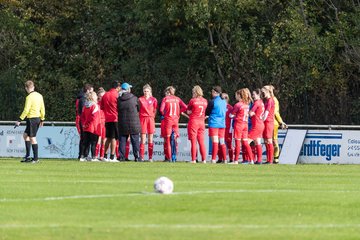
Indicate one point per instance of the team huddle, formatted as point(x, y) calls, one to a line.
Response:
point(109, 121)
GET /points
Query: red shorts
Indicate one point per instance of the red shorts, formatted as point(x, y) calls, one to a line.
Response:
point(269, 130)
point(220, 132)
point(169, 126)
point(241, 131)
point(256, 132)
point(195, 129)
point(147, 125)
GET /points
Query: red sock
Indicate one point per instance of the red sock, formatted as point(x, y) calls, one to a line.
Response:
point(168, 148)
point(142, 150)
point(165, 150)
point(231, 153)
point(237, 150)
point(259, 152)
point(215, 149)
point(271, 153)
point(150, 150)
point(202, 148)
point(97, 150)
point(249, 154)
point(244, 153)
point(220, 156)
point(193, 149)
point(253, 150)
point(223, 151)
point(127, 149)
point(102, 151)
point(117, 149)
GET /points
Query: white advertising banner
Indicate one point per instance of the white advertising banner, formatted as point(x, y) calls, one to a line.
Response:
point(320, 146)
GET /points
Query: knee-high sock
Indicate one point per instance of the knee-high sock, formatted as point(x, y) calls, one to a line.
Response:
point(127, 149)
point(165, 149)
point(202, 148)
point(223, 151)
point(237, 150)
point(35, 151)
point(102, 151)
point(259, 152)
point(150, 150)
point(27, 148)
point(97, 150)
point(168, 148)
point(244, 153)
point(142, 150)
point(220, 156)
point(193, 149)
point(276, 151)
point(253, 150)
point(215, 149)
point(270, 152)
point(231, 153)
point(248, 151)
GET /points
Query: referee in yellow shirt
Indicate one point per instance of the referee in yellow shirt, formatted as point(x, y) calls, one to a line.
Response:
point(34, 114)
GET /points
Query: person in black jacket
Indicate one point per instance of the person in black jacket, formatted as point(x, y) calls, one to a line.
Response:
point(128, 120)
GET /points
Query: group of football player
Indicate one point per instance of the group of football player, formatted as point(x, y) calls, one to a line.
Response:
point(109, 121)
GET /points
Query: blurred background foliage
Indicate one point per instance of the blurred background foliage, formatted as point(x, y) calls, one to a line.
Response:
point(309, 50)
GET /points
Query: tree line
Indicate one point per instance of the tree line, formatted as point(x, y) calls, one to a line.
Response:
point(309, 50)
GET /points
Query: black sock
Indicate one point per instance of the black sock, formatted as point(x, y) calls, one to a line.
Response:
point(27, 148)
point(112, 156)
point(105, 156)
point(35, 151)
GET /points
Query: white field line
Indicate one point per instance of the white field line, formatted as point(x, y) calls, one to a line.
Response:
point(59, 198)
point(127, 181)
point(188, 226)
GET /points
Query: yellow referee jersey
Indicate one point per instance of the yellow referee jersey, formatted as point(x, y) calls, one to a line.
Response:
point(34, 106)
point(278, 119)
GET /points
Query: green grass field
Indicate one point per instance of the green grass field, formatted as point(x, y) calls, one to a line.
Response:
point(72, 200)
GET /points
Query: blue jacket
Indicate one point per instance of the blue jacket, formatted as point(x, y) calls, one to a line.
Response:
point(216, 110)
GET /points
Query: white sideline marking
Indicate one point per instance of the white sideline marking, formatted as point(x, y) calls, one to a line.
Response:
point(59, 198)
point(189, 226)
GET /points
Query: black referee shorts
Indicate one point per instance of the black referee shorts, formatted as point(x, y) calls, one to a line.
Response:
point(32, 126)
point(112, 130)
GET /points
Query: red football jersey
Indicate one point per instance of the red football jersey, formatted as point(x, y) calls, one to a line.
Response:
point(90, 119)
point(109, 105)
point(147, 106)
point(197, 106)
point(259, 109)
point(171, 107)
point(270, 107)
point(241, 112)
point(229, 109)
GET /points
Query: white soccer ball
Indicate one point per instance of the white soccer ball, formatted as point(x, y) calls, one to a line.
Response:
point(163, 185)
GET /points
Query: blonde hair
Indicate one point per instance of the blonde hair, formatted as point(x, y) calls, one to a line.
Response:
point(197, 91)
point(170, 90)
point(29, 84)
point(245, 95)
point(147, 86)
point(271, 89)
point(265, 90)
point(91, 96)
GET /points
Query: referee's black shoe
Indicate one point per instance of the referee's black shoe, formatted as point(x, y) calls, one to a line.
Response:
point(26, 160)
